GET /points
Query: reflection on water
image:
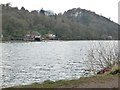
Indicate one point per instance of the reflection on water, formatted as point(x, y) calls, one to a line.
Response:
point(25, 63)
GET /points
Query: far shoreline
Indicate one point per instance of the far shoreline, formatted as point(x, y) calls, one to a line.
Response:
point(52, 40)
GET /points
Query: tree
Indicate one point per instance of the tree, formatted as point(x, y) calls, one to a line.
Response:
point(8, 4)
point(22, 8)
point(101, 55)
point(42, 11)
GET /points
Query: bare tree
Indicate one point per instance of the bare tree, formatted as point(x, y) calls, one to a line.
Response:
point(101, 55)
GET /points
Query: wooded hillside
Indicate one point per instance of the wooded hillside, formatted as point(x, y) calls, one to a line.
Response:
point(74, 24)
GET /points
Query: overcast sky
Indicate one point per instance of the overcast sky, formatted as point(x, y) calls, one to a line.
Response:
point(107, 8)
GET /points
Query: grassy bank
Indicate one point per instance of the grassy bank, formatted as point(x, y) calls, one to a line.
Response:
point(70, 83)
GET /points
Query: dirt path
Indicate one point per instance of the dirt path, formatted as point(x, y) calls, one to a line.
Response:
point(97, 83)
point(113, 83)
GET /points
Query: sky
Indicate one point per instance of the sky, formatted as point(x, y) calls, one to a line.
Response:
point(107, 8)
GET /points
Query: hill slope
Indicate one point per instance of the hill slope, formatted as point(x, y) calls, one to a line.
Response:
point(74, 24)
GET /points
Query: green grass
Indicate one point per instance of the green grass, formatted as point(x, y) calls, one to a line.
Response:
point(67, 83)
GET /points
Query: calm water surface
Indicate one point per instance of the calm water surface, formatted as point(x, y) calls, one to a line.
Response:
point(25, 63)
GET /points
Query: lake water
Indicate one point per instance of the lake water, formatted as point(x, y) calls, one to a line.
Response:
point(28, 62)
